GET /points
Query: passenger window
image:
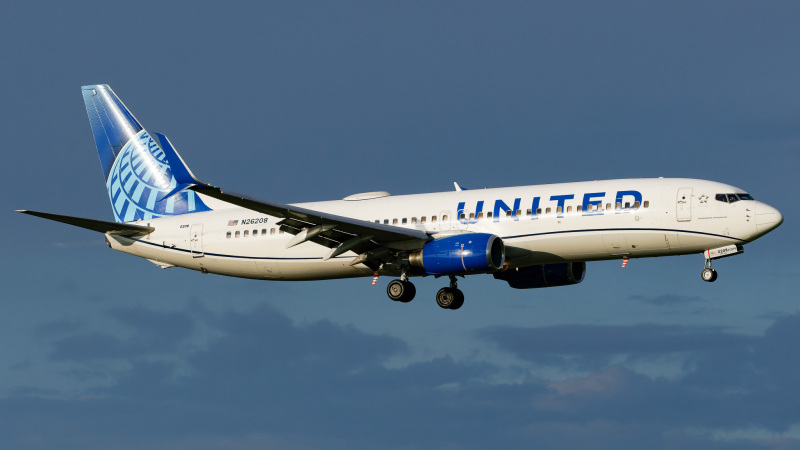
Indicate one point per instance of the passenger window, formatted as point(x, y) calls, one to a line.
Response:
point(569, 209)
point(547, 211)
point(246, 233)
point(608, 206)
point(405, 221)
point(228, 235)
point(508, 213)
point(255, 233)
point(579, 208)
point(272, 231)
point(444, 217)
point(617, 206)
point(394, 221)
point(462, 217)
point(480, 215)
point(489, 215)
point(423, 219)
point(721, 198)
point(636, 204)
point(413, 220)
point(539, 211)
point(263, 231)
point(386, 221)
point(647, 203)
point(528, 212)
point(627, 205)
point(559, 210)
point(471, 216)
point(433, 219)
point(378, 221)
point(237, 234)
point(280, 231)
point(519, 212)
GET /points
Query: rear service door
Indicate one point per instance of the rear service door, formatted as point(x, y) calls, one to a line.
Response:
point(684, 204)
point(196, 240)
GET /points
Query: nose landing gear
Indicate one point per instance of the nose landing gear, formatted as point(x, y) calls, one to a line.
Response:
point(708, 274)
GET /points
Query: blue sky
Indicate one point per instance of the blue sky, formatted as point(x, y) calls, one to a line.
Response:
point(307, 101)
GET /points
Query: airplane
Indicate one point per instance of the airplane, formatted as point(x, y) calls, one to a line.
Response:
point(528, 236)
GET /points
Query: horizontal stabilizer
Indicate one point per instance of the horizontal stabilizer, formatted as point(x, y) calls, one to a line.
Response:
point(102, 226)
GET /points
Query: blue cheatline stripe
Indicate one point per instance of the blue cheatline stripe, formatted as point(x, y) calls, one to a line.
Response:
point(186, 250)
point(660, 230)
point(507, 237)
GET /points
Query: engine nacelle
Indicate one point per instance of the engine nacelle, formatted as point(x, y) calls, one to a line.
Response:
point(461, 253)
point(544, 275)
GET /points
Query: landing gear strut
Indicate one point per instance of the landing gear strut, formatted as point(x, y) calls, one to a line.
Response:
point(450, 297)
point(708, 274)
point(401, 290)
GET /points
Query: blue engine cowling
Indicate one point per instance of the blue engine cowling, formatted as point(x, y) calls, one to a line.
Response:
point(459, 254)
point(544, 275)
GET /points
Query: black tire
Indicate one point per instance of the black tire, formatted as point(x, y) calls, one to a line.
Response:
point(396, 290)
point(410, 292)
point(709, 275)
point(459, 300)
point(446, 297)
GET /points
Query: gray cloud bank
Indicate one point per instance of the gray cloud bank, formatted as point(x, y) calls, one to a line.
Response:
point(262, 381)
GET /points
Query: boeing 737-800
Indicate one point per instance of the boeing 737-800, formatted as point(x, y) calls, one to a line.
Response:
point(527, 236)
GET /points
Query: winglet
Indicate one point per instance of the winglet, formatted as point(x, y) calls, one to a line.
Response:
point(459, 188)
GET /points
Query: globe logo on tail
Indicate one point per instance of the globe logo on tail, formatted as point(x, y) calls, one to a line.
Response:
point(140, 178)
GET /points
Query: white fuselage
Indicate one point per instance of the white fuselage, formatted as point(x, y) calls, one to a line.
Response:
point(538, 224)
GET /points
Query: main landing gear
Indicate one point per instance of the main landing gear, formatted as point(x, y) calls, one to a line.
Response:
point(404, 291)
point(401, 290)
point(450, 297)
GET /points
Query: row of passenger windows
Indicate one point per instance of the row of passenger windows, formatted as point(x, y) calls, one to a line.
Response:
point(510, 213)
point(404, 220)
point(732, 198)
point(246, 233)
point(445, 217)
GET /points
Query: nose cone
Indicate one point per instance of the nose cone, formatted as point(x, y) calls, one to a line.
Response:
point(767, 218)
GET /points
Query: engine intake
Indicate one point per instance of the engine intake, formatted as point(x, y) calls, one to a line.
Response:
point(461, 253)
point(544, 275)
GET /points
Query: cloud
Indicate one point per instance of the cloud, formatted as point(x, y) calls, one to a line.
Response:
point(263, 379)
point(152, 332)
point(667, 299)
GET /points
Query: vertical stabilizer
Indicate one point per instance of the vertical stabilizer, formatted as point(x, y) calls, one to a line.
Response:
point(137, 172)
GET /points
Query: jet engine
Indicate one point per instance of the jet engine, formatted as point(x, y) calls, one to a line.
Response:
point(544, 275)
point(460, 254)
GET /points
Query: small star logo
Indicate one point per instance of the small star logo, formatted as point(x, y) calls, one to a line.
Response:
point(703, 198)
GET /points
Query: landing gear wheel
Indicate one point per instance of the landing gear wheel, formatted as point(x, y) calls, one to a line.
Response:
point(401, 291)
point(709, 274)
point(449, 298)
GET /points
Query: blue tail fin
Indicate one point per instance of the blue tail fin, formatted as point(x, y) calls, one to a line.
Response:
point(138, 174)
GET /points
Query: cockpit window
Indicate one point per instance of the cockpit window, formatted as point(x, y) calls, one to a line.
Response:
point(733, 198)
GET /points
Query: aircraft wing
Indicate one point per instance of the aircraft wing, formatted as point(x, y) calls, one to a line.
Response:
point(123, 229)
point(339, 233)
